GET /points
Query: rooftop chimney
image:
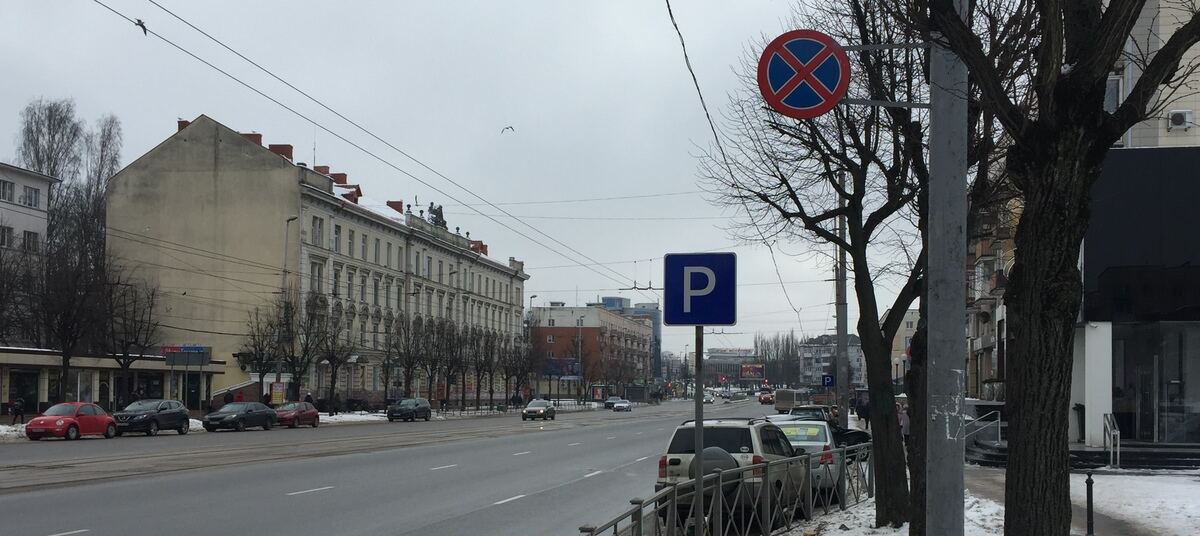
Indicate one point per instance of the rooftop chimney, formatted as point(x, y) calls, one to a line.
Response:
point(283, 150)
point(339, 178)
point(253, 136)
point(321, 169)
point(397, 206)
point(182, 123)
point(479, 247)
point(352, 196)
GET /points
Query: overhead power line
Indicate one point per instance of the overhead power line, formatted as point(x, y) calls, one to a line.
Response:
point(589, 199)
point(365, 131)
point(601, 218)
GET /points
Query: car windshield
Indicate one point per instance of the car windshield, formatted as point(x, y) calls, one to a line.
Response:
point(143, 405)
point(60, 410)
point(290, 406)
point(614, 398)
point(234, 407)
point(539, 404)
point(409, 403)
point(736, 440)
point(809, 413)
point(803, 432)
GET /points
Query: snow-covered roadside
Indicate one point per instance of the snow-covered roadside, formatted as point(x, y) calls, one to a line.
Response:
point(11, 433)
point(984, 517)
point(1161, 502)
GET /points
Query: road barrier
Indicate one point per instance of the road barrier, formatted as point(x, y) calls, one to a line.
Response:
point(778, 496)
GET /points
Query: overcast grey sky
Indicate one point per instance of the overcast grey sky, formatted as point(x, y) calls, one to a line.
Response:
point(597, 92)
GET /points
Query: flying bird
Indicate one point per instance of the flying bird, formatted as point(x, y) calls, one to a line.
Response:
point(514, 131)
point(141, 25)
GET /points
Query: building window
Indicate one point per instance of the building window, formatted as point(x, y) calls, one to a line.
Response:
point(387, 260)
point(550, 322)
point(362, 333)
point(1112, 94)
point(579, 322)
point(6, 237)
point(32, 197)
point(376, 295)
point(337, 238)
point(350, 244)
point(316, 275)
point(441, 267)
point(400, 264)
point(908, 324)
point(337, 281)
point(549, 339)
point(364, 247)
point(318, 232)
point(375, 336)
point(362, 288)
point(7, 191)
point(376, 251)
point(428, 267)
point(30, 242)
point(350, 284)
point(441, 303)
point(387, 294)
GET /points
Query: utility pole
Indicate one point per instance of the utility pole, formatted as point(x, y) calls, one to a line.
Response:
point(284, 315)
point(698, 458)
point(842, 359)
point(946, 288)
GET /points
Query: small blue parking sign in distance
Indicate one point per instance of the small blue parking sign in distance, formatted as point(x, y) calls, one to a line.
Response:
point(700, 289)
point(827, 380)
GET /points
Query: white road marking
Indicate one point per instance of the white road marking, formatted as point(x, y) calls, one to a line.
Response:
point(611, 437)
point(310, 490)
point(591, 474)
point(658, 429)
point(443, 467)
point(573, 444)
point(510, 499)
point(520, 453)
point(68, 533)
point(642, 458)
point(637, 433)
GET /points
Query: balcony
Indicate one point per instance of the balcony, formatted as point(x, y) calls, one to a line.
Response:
point(997, 283)
point(982, 250)
point(986, 341)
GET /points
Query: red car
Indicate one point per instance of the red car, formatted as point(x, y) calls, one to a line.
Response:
point(295, 414)
point(71, 420)
point(766, 398)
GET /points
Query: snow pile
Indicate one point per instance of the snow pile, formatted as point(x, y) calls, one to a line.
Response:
point(195, 425)
point(1160, 502)
point(353, 417)
point(983, 518)
point(12, 433)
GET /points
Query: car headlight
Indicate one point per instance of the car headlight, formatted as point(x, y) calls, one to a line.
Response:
point(230, 417)
point(140, 417)
point(59, 422)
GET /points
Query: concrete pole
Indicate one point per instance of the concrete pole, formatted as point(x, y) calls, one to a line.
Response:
point(283, 296)
point(698, 458)
point(842, 359)
point(947, 289)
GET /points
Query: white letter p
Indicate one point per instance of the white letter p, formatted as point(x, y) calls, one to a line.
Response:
point(689, 292)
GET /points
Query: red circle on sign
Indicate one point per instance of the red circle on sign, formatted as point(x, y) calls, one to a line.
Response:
point(803, 74)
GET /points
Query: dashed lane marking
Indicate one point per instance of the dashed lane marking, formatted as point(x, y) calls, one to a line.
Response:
point(573, 444)
point(611, 437)
point(520, 453)
point(440, 467)
point(591, 474)
point(642, 458)
point(70, 532)
point(510, 499)
point(309, 490)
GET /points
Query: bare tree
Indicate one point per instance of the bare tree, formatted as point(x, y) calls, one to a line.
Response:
point(11, 267)
point(480, 363)
point(102, 153)
point(129, 321)
point(409, 334)
point(51, 138)
point(258, 353)
point(335, 351)
point(437, 347)
point(392, 356)
point(308, 333)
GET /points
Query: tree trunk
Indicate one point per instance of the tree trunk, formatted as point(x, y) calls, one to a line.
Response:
point(1043, 297)
point(462, 393)
point(478, 387)
point(915, 387)
point(331, 403)
point(408, 378)
point(64, 373)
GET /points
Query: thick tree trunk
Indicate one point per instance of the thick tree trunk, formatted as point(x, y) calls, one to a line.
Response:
point(64, 373)
point(408, 380)
point(915, 387)
point(331, 403)
point(478, 388)
point(1043, 297)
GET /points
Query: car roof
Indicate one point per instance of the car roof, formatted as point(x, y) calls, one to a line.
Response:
point(812, 422)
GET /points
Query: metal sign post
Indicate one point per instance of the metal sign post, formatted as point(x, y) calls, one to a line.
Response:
point(699, 289)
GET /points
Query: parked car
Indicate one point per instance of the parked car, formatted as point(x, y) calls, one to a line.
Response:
point(538, 409)
point(71, 420)
point(623, 405)
point(410, 409)
point(608, 404)
point(295, 414)
point(240, 416)
point(766, 398)
point(151, 415)
point(814, 438)
point(731, 444)
point(814, 412)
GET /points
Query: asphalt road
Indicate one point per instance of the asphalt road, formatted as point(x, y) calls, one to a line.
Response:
point(494, 475)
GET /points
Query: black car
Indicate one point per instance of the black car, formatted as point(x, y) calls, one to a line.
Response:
point(239, 416)
point(409, 409)
point(151, 415)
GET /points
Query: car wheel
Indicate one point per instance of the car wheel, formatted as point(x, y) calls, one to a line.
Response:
point(553, 416)
point(32, 438)
point(295, 423)
point(523, 418)
point(427, 416)
point(240, 426)
point(153, 429)
point(267, 424)
point(316, 422)
point(184, 428)
point(390, 419)
point(72, 433)
point(110, 431)
point(208, 428)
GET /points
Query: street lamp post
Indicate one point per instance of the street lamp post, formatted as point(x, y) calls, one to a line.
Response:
point(579, 356)
point(283, 296)
point(529, 336)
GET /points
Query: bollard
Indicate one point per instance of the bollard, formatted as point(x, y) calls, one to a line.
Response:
point(637, 516)
point(1090, 526)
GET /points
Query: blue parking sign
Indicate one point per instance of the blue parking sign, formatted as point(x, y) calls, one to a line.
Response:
point(700, 289)
point(828, 380)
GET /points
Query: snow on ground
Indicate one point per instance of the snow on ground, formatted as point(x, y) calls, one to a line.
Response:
point(195, 425)
point(12, 433)
point(1160, 502)
point(984, 517)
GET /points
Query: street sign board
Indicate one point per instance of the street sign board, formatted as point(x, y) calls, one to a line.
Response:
point(700, 289)
point(827, 380)
point(803, 74)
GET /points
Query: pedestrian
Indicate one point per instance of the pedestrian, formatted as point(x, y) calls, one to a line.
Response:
point(18, 410)
point(904, 424)
point(309, 398)
point(864, 416)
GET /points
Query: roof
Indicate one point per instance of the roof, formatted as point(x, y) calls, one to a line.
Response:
point(19, 169)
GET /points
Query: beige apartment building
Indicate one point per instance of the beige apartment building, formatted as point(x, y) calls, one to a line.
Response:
point(901, 342)
point(221, 223)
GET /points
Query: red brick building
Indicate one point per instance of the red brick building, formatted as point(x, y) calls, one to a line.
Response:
point(586, 346)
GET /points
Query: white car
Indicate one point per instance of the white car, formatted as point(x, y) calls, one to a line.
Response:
point(622, 405)
point(814, 438)
point(708, 399)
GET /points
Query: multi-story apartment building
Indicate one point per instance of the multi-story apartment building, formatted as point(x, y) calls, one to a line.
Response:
point(902, 341)
point(649, 311)
point(585, 346)
point(24, 198)
point(222, 223)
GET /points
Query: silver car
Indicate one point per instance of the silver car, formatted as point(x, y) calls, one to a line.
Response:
point(538, 409)
point(816, 439)
point(622, 405)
